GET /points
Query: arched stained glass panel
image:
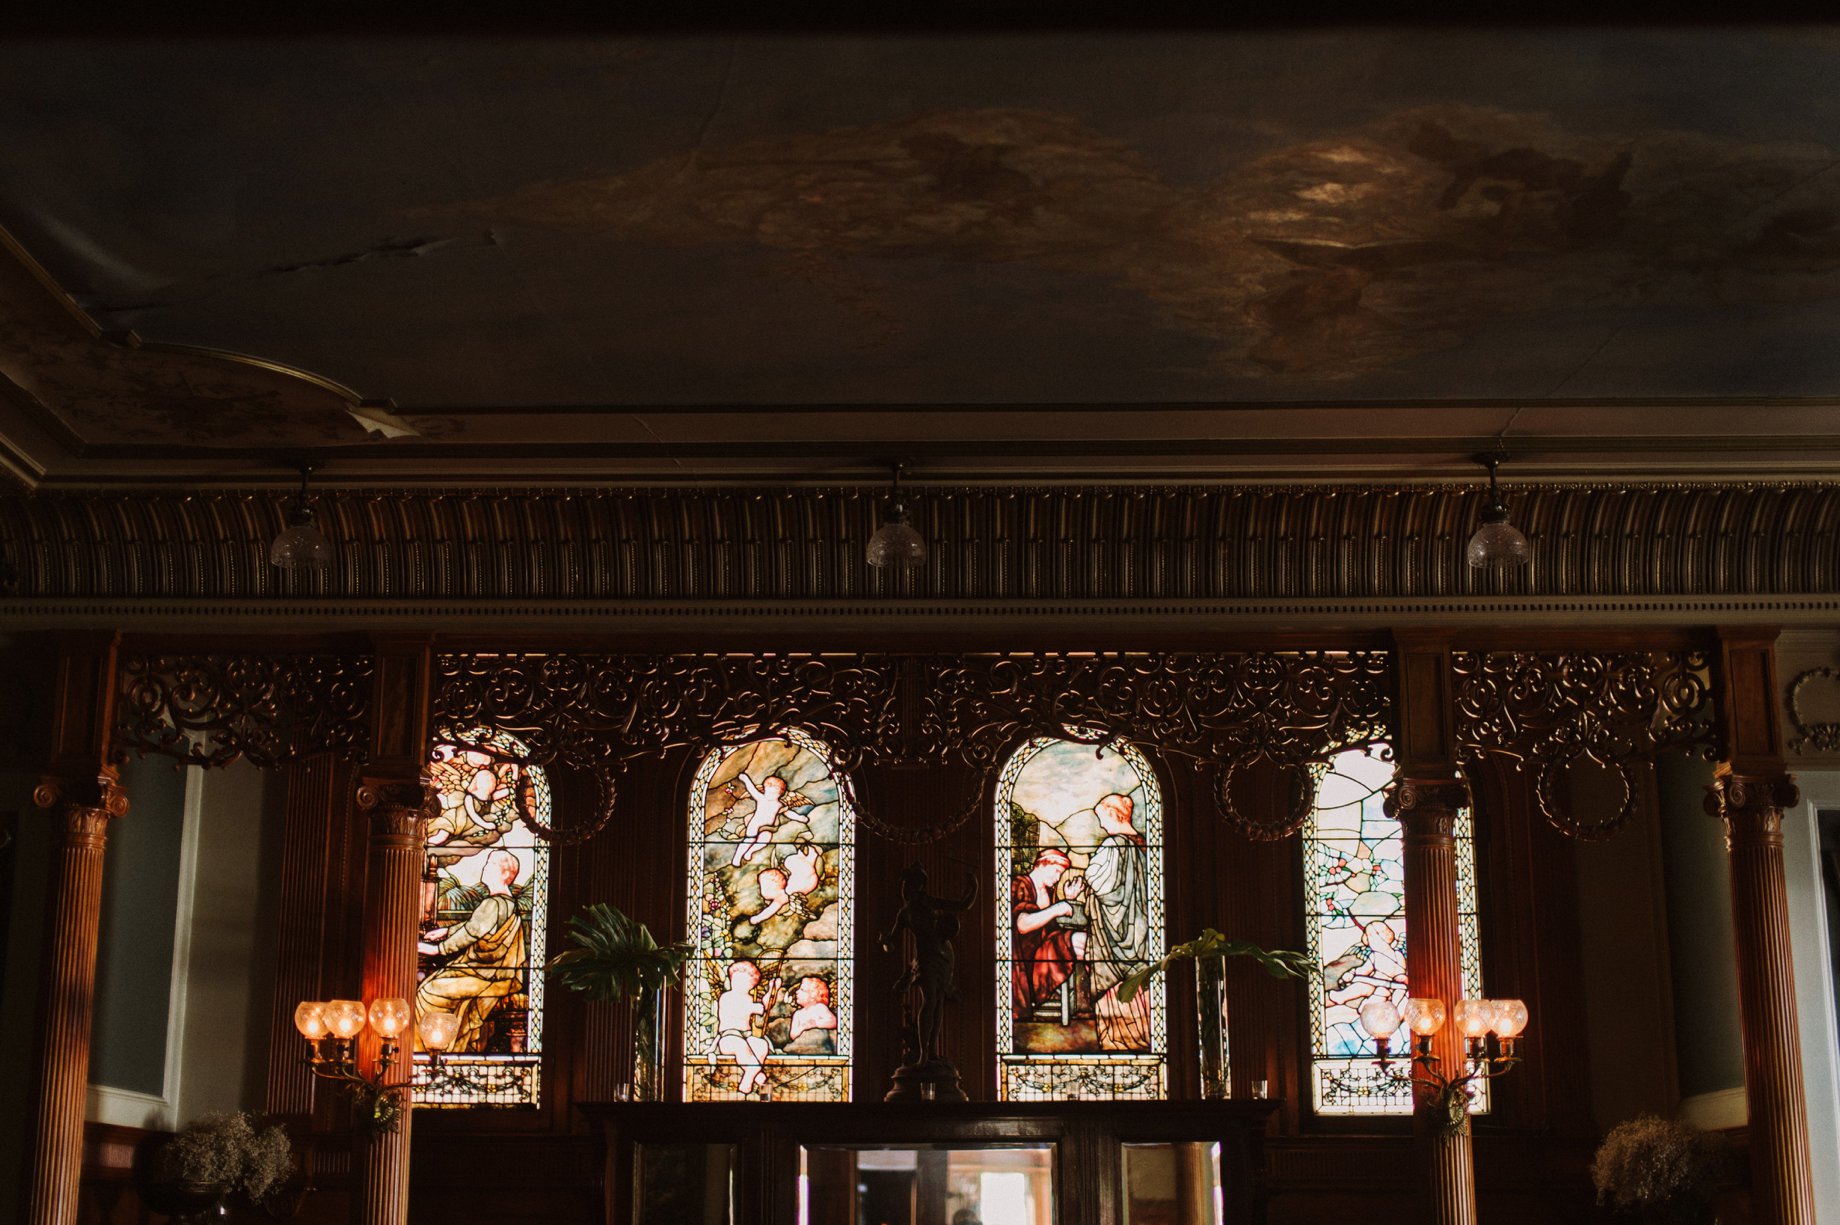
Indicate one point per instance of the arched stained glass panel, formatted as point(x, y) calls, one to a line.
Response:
point(485, 911)
point(768, 1003)
point(1354, 865)
point(1080, 847)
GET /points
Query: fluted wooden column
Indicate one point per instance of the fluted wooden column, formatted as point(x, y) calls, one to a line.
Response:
point(392, 910)
point(68, 993)
point(1427, 811)
point(1781, 1180)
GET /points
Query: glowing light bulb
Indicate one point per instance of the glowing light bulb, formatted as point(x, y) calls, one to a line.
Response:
point(389, 1017)
point(1379, 1018)
point(1425, 1016)
point(345, 1017)
point(1510, 1018)
point(437, 1029)
point(1474, 1017)
point(310, 1020)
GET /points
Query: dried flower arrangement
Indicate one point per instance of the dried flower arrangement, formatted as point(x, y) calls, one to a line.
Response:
point(226, 1150)
point(1651, 1162)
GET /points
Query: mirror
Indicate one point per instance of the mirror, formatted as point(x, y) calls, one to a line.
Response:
point(684, 1184)
point(1173, 1184)
point(927, 1184)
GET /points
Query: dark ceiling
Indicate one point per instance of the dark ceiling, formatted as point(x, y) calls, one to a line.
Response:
point(1350, 252)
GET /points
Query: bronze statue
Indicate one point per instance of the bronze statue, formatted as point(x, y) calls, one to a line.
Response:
point(931, 922)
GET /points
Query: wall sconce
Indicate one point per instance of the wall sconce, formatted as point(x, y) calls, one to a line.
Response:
point(337, 1024)
point(1477, 1019)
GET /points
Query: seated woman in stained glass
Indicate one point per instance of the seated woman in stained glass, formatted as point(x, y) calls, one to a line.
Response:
point(770, 801)
point(1046, 954)
point(489, 957)
point(736, 1009)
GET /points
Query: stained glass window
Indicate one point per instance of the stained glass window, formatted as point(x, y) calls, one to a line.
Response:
point(771, 888)
point(1355, 893)
point(485, 910)
point(1080, 845)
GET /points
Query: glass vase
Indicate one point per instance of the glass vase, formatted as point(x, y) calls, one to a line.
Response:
point(1211, 1025)
point(648, 1046)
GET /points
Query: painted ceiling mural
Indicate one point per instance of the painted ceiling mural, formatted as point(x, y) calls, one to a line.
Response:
point(1050, 218)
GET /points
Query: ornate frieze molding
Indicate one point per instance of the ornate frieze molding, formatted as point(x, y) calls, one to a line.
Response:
point(1548, 710)
point(1158, 543)
point(1220, 711)
point(273, 709)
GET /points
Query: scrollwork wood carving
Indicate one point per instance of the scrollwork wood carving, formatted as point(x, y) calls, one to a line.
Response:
point(1223, 711)
point(1546, 711)
point(209, 710)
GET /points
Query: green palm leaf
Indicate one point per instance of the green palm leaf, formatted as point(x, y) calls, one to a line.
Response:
point(615, 957)
point(1279, 963)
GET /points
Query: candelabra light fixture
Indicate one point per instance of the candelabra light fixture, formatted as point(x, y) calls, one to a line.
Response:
point(331, 1028)
point(1477, 1020)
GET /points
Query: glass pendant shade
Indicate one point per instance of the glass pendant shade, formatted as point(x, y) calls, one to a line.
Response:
point(896, 543)
point(1497, 542)
point(1510, 1018)
point(300, 546)
point(1425, 1016)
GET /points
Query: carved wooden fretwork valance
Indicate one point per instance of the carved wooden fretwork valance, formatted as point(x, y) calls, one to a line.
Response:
point(1549, 710)
point(272, 709)
point(1217, 711)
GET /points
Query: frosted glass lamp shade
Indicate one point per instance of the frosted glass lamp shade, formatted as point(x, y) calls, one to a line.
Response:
point(896, 544)
point(345, 1018)
point(1474, 1017)
point(300, 546)
point(437, 1030)
point(1510, 1018)
point(310, 1020)
point(1380, 1018)
point(1425, 1016)
point(389, 1017)
point(1497, 543)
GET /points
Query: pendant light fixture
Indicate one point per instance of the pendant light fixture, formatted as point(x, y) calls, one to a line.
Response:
point(1496, 543)
point(895, 543)
point(300, 547)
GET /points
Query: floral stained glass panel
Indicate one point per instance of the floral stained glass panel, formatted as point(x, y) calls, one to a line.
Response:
point(485, 909)
point(1080, 845)
point(1355, 867)
point(771, 889)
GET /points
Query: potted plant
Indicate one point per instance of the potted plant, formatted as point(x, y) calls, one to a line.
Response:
point(615, 959)
point(1659, 1168)
point(215, 1156)
point(1209, 951)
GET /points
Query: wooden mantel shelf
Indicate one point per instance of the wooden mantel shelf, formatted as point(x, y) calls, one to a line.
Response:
point(1087, 1137)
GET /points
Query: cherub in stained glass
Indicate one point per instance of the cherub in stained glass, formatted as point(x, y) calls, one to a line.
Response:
point(736, 1010)
point(770, 802)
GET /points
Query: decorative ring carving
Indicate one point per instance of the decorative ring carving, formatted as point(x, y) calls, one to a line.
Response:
point(1823, 737)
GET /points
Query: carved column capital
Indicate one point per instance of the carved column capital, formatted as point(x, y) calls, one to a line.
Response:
point(397, 807)
point(85, 805)
point(1751, 805)
point(1428, 805)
